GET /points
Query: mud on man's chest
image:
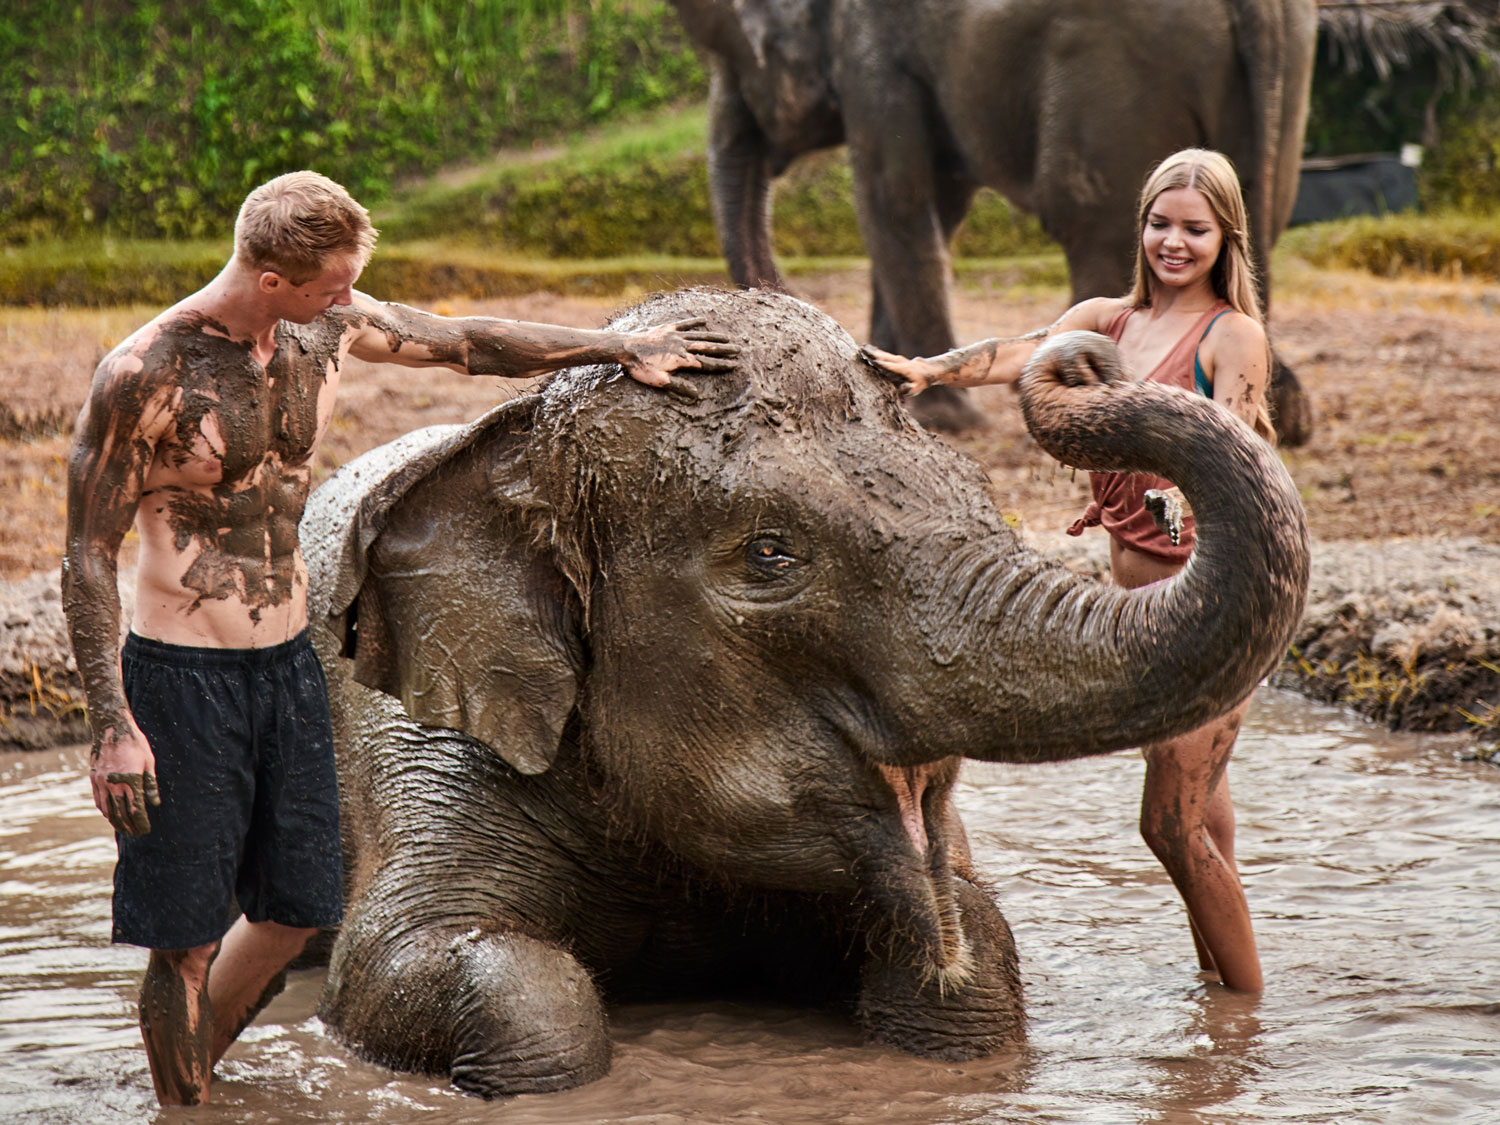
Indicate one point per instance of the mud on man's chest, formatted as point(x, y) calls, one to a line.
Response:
point(248, 417)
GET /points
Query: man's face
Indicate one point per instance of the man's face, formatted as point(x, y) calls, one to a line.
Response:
point(304, 303)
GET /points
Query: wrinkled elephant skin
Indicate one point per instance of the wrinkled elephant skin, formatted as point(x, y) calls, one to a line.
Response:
point(656, 698)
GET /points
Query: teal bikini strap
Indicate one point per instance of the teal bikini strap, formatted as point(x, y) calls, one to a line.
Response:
point(1200, 380)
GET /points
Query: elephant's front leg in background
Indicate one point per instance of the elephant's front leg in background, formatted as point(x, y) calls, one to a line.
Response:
point(963, 1015)
point(500, 1012)
point(908, 209)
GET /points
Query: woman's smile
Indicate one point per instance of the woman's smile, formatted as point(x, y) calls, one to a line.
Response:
point(1181, 238)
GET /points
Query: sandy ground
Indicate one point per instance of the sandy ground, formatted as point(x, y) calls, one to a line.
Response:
point(1401, 480)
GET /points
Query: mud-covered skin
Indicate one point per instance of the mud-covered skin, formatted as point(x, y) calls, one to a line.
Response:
point(204, 440)
point(638, 697)
point(177, 1028)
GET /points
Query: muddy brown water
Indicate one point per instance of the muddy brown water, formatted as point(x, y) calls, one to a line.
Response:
point(1372, 862)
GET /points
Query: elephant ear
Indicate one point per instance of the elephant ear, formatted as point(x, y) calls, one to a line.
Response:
point(433, 581)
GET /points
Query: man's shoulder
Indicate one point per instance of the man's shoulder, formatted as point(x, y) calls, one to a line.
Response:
point(171, 349)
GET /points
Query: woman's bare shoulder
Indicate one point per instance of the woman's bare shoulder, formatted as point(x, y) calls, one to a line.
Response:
point(1092, 315)
point(1241, 329)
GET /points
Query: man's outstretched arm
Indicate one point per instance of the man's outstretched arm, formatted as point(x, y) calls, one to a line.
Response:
point(113, 445)
point(518, 349)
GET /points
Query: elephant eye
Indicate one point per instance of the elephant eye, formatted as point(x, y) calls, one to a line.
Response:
point(769, 557)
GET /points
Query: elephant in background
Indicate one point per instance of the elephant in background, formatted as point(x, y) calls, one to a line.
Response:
point(640, 695)
point(1062, 106)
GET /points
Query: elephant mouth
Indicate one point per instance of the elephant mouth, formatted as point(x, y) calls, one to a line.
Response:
point(908, 783)
point(927, 915)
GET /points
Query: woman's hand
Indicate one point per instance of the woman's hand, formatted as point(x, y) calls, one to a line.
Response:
point(912, 375)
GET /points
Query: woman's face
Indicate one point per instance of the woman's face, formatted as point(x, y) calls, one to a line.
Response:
point(1181, 238)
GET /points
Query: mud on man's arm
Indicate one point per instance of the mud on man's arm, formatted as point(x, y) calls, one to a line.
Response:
point(114, 442)
point(517, 349)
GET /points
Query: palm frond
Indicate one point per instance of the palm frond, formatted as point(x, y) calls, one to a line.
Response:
point(1391, 34)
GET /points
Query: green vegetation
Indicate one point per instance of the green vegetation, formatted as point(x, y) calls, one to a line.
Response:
point(1439, 87)
point(643, 188)
point(1450, 243)
point(129, 123)
point(1463, 173)
point(623, 206)
point(152, 119)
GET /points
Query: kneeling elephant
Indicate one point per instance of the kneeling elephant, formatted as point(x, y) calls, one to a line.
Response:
point(648, 695)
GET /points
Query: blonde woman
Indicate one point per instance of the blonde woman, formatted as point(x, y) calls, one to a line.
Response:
point(1191, 320)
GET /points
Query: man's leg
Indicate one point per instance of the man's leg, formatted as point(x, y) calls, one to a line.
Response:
point(177, 1022)
point(248, 974)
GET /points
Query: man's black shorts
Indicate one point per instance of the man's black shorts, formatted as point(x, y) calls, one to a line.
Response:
point(249, 795)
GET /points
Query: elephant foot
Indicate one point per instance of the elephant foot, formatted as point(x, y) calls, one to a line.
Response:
point(1290, 406)
point(499, 1012)
point(958, 1015)
point(947, 409)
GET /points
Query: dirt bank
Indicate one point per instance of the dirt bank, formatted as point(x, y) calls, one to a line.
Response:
point(1401, 481)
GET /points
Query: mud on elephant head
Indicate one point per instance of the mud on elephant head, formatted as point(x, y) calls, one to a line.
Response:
point(684, 685)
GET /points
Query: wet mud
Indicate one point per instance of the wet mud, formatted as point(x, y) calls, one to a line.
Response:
point(1378, 946)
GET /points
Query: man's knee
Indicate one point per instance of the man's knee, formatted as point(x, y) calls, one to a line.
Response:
point(190, 965)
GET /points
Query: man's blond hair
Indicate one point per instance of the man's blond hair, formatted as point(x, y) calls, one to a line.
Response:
point(296, 224)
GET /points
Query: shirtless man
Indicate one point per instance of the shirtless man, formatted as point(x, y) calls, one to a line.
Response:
point(200, 430)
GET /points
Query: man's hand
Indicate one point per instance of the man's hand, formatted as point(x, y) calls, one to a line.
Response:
point(122, 772)
point(649, 356)
point(913, 376)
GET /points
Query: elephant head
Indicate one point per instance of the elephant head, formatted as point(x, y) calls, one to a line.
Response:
point(748, 635)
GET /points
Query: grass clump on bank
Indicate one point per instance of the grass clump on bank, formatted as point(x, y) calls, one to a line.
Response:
point(1444, 245)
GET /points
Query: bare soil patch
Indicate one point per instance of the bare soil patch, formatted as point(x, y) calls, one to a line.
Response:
point(1406, 449)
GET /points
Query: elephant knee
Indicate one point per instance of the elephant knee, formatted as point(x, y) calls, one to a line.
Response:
point(529, 1021)
point(498, 1012)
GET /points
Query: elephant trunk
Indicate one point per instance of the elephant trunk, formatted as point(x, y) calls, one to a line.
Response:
point(1092, 668)
point(739, 179)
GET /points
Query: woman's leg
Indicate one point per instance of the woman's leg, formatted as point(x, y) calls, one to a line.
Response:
point(1184, 829)
point(1187, 818)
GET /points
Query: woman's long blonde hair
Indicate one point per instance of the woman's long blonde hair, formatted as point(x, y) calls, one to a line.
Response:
point(1233, 277)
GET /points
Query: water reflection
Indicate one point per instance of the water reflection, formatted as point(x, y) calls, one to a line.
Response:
point(1370, 862)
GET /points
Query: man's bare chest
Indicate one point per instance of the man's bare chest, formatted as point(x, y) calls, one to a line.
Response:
point(237, 420)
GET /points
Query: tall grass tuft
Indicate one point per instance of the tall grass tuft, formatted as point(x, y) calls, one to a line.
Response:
point(1447, 245)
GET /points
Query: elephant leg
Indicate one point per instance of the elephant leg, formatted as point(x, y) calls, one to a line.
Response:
point(908, 209)
point(962, 1015)
point(740, 183)
point(948, 408)
point(500, 1012)
point(1290, 405)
